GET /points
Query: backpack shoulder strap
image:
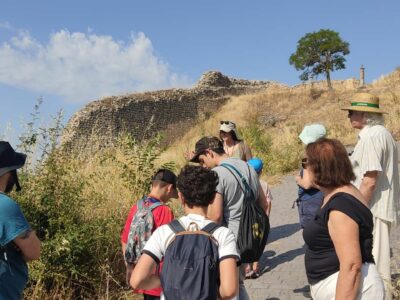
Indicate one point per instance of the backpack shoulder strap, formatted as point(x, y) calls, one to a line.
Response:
point(139, 203)
point(242, 179)
point(247, 187)
point(176, 226)
point(155, 205)
point(211, 227)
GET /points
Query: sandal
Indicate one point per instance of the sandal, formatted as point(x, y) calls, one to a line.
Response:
point(249, 274)
point(255, 275)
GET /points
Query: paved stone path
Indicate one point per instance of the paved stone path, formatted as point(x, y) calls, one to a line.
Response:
point(284, 276)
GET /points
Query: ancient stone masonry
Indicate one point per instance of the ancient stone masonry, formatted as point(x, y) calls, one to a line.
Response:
point(99, 123)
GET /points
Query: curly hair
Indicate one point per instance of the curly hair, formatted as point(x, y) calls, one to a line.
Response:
point(330, 163)
point(198, 185)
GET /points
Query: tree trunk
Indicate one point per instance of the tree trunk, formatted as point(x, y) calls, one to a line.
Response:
point(328, 79)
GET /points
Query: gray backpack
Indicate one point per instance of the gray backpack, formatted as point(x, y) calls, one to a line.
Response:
point(139, 233)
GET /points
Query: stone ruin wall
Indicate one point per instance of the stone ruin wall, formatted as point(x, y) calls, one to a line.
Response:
point(347, 84)
point(99, 123)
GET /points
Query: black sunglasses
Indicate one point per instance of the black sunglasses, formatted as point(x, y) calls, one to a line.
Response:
point(350, 113)
point(304, 163)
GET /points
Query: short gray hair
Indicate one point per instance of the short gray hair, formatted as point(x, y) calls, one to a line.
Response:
point(372, 118)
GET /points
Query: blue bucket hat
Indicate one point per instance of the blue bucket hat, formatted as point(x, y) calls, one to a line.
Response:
point(256, 163)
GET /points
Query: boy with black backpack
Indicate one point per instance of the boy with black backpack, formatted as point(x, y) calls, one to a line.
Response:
point(200, 257)
point(144, 217)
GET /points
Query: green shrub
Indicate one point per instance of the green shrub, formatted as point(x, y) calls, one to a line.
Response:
point(279, 156)
point(78, 221)
point(78, 206)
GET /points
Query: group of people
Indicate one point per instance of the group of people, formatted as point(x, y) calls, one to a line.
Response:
point(210, 193)
point(347, 206)
point(347, 236)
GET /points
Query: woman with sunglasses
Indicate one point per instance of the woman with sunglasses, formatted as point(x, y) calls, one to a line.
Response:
point(234, 146)
point(338, 260)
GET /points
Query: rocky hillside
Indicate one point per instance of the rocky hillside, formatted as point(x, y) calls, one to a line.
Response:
point(141, 114)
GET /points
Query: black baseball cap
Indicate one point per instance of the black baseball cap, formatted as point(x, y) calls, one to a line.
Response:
point(206, 143)
point(165, 175)
point(9, 159)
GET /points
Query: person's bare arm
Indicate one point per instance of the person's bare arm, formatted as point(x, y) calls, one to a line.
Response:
point(368, 184)
point(248, 153)
point(262, 200)
point(123, 246)
point(29, 244)
point(215, 209)
point(229, 278)
point(268, 197)
point(188, 155)
point(344, 233)
point(142, 276)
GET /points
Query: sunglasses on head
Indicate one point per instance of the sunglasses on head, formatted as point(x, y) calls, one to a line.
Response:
point(304, 163)
point(226, 122)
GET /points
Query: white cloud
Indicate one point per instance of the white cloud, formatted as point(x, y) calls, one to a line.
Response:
point(6, 25)
point(83, 66)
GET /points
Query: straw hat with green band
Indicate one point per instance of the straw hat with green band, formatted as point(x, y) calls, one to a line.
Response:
point(365, 102)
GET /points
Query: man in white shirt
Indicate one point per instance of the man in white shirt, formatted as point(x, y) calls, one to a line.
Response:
point(375, 163)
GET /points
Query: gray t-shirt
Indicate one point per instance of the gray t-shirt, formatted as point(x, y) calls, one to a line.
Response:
point(231, 191)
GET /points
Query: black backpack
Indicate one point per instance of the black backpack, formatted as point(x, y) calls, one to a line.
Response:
point(254, 223)
point(191, 264)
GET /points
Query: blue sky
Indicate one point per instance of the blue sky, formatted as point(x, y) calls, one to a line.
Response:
point(72, 52)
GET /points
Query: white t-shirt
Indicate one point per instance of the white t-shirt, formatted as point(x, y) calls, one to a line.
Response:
point(376, 150)
point(162, 236)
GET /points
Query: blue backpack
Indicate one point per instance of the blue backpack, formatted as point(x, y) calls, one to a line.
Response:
point(308, 203)
point(191, 264)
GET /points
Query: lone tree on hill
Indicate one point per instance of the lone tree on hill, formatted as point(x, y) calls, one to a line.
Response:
point(320, 52)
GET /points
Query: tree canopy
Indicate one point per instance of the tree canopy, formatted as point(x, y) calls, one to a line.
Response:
point(318, 53)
